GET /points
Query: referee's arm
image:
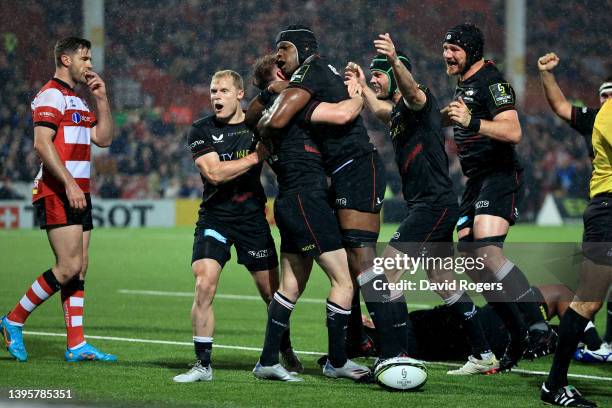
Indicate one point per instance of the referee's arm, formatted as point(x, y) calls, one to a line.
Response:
point(554, 95)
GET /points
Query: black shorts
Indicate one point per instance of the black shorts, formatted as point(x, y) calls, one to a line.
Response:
point(54, 211)
point(254, 243)
point(497, 194)
point(307, 223)
point(429, 225)
point(597, 236)
point(359, 184)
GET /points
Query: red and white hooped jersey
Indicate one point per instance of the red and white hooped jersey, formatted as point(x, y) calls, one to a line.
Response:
point(58, 107)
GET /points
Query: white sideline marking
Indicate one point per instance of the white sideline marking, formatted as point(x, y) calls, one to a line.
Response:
point(311, 353)
point(232, 297)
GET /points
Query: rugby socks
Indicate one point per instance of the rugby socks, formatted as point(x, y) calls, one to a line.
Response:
point(285, 343)
point(43, 287)
point(355, 334)
point(337, 321)
point(402, 324)
point(203, 349)
point(279, 311)
point(380, 311)
point(608, 336)
point(591, 337)
point(73, 294)
point(518, 289)
point(464, 308)
point(570, 330)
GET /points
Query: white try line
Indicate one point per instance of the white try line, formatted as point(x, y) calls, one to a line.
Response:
point(233, 297)
point(257, 349)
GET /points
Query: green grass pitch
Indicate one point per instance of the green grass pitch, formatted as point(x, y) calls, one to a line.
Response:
point(158, 260)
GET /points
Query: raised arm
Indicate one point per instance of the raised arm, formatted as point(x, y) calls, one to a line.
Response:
point(413, 96)
point(102, 133)
point(554, 95)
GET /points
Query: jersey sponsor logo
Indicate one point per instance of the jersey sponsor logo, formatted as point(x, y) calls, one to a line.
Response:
point(341, 202)
point(379, 201)
point(47, 114)
point(76, 117)
point(482, 204)
point(217, 139)
point(308, 247)
point(298, 76)
point(502, 93)
point(196, 143)
point(470, 92)
point(262, 253)
point(584, 109)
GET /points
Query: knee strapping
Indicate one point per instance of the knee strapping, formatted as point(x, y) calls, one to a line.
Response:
point(355, 238)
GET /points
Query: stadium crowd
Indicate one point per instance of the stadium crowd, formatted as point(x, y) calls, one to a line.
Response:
point(188, 41)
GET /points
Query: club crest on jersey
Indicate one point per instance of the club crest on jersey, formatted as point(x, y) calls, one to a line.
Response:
point(76, 117)
point(72, 104)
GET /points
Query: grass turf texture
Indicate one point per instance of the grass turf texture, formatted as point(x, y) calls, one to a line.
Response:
point(158, 259)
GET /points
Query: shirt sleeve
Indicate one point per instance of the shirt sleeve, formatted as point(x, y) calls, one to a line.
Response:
point(583, 119)
point(499, 97)
point(48, 108)
point(310, 78)
point(199, 142)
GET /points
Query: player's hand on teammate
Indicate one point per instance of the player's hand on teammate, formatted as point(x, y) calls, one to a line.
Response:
point(95, 84)
point(76, 197)
point(278, 86)
point(384, 45)
point(354, 88)
point(548, 62)
point(262, 151)
point(459, 113)
point(353, 72)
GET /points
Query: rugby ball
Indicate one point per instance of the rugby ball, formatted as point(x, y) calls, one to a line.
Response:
point(401, 374)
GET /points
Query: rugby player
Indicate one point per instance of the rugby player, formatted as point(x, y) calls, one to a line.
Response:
point(582, 120)
point(308, 229)
point(64, 127)
point(355, 169)
point(596, 270)
point(232, 212)
point(415, 127)
point(486, 128)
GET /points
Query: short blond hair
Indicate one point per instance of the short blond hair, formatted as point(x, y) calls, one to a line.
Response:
point(236, 78)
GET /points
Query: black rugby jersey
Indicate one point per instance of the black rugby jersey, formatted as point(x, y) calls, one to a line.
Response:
point(583, 120)
point(295, 158)
point(486, 93)
point(242, 196)
point(418, 143)
point(338, 144)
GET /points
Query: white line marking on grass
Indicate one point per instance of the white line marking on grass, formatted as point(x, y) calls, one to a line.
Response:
point(232, 297)
point(257, 349)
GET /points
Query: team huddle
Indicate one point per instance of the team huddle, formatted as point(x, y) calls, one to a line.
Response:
point(306, 124)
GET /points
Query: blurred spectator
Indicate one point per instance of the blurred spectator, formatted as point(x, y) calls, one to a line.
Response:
point(172, 49)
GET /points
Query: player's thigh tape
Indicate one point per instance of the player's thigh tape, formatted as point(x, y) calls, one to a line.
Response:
point(497, 240)
point(465, 243)
point(355, 238)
